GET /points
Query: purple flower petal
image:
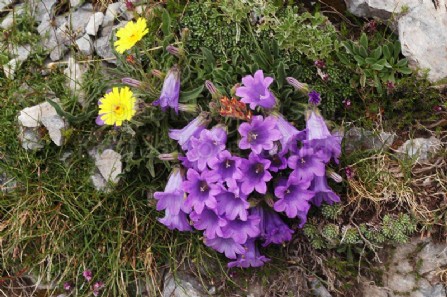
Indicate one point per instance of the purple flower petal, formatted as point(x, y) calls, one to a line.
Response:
point(255, 91)
point(171, 90)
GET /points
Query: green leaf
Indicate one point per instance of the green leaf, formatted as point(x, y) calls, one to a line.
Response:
point(402, 63)
point(71, 118)
point(208, 54)
point(281, 71)
point(364, 40)
point(348, 46)
point(377, 67)
point(166, 23)
point(190, 96)
point(363, 80)
point(359, 60)
point(386, 52)
point(405, 70)
point(377, 53)
point(363, 52)
point(370, 60)
point(342, 57)
point(397, 49)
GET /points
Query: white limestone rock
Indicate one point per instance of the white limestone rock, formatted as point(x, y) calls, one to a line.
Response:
point(79, 19)
point(20, 53)
point(5, 3)
point(94, 22)
point(42, 9)
point(383, 9)
point(85, 45)
point(113, 12)
point(420, 148)
point(45, 115)
point(8, 21)
point(30, 139)
point(182, 285)
point(423, 36)
point(74, 73)
point(422, 26)
point(109, 165)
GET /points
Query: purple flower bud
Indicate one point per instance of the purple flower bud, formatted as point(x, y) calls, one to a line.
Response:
point(168, 157)
point(131, 82)
point(193, 129)
point(287, 130)
point(189, 108)
point(211, 88)
point(334, 176)
point(302, 87)
point(175, 51)
point(314, 97)
point(87, 275)
point(158, 73)
point(171, 90)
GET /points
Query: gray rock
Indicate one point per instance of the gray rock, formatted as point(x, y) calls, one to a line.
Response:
point(79, 19)
point(422, 29)
point(42, 9)
point(104, 49)
point(7, 184)
point(74, 74)
point(433, 257)
point(55, 126)
point(55, 40)
point(383, 9)
point(182, 286)
point(425, 289)
point(44, 114)
point(76, 3)
point(30, 139)
point(85, 45)
point(371, 290)
point(423, 35)
point(361, 139)
point(113, 12)
point(5, 3)
point(401, 283)
point(99, 182)
point(20, 53)
point(109, 165)
point(94, 22)
point(420, 148)
point(8, 21)
point(318, 289)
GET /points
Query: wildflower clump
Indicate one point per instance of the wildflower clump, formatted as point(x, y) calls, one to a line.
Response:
point(237, 191)
point(130, 34)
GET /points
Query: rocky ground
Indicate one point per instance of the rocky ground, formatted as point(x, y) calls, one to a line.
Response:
point(415, 269)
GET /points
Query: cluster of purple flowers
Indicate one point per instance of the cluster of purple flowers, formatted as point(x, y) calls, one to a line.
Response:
point(237, 198)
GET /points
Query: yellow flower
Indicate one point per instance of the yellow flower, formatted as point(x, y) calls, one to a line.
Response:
point(117, 106)
point(130, 34)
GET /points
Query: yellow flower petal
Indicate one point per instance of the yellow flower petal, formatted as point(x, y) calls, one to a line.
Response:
point(117, 106)
point(130, 34)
